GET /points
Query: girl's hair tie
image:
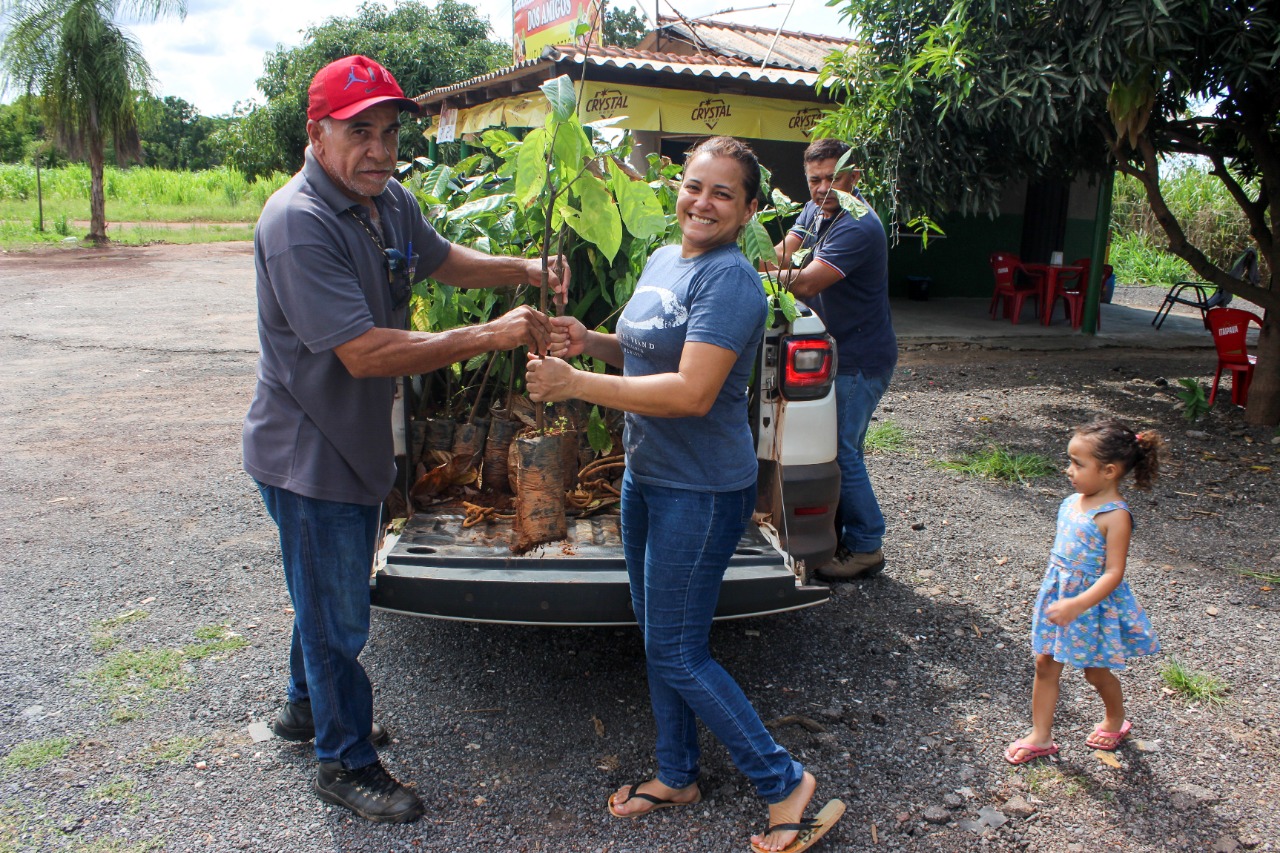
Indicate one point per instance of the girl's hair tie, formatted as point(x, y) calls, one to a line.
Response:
point(1137, 437)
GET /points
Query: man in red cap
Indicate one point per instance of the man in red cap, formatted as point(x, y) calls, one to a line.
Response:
point(337, 251)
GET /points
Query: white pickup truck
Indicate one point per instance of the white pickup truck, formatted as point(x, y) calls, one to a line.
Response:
point(440, 569)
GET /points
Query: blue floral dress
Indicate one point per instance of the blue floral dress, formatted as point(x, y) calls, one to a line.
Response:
point(1108, 633)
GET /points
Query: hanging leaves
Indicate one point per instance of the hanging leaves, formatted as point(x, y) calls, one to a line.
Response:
point(559, 92)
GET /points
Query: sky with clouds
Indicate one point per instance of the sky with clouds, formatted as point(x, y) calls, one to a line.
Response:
point(213, 57)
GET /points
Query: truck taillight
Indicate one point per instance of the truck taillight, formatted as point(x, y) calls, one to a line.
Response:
point(808, 366)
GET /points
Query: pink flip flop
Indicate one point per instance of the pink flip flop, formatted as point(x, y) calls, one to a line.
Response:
point(1108, 741)
point(1030, 752)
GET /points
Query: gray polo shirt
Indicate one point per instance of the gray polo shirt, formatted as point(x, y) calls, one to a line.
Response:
point(312, 427)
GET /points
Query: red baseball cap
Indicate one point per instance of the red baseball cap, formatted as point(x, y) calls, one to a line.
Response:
point(351, 85)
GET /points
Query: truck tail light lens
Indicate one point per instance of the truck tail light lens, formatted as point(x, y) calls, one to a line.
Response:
point(808, 367)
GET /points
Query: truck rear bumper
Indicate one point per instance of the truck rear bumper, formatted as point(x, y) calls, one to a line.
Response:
point(580, 581)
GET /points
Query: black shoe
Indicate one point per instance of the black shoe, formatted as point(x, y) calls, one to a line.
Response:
point(369, 791)
point(293, 722)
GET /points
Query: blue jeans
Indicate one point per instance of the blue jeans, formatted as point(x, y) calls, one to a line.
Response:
point(859, 522)
point(328, 553)
point(678, 544)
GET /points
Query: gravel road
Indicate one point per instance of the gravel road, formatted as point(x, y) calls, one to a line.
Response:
point(148, 620)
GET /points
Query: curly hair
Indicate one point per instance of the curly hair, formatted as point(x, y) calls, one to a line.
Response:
point(1114, 442)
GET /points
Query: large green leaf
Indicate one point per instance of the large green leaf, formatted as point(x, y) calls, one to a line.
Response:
point(756, 243)
point(596, 220)
point(481, 206)
point(438, 183)
point(641, 212)
point(571, 147)
point(531, 166)
point(559, 92)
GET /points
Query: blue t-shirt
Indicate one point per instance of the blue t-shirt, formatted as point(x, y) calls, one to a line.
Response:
point(713, 298)
point(312, 427)
point(855, 309)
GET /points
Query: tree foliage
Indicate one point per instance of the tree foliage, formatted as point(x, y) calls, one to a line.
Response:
point(957, 99)
point(423, 46)
point(86, 68)
point(623, 27)
point(175, 136)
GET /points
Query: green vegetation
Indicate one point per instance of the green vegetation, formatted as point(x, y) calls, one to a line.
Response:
point(1043, 778)
point(121, 791)
point(214, 640)
point(886, 437)
point(997, 463)
point(35, 754)
point(1194, 401)
point(131, 677)
point(126, 618)
point(1269, 578)
point(1201, 203)
point(1196, 686)
point(176, 750)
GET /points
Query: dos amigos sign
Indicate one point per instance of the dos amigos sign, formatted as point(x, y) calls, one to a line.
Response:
point(539, 23)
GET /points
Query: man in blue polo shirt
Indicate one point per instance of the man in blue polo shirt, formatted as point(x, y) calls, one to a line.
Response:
point(337, 250)
point(844, 277)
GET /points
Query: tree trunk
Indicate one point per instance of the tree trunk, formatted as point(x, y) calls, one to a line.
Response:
point(1264, 389)
point(97, 199)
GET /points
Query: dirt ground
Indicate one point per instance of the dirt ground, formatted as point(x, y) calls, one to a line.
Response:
point(148, 622)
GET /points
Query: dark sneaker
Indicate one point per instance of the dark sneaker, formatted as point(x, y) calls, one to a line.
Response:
point(293, 722)
point(369, 791)
point(847, 564)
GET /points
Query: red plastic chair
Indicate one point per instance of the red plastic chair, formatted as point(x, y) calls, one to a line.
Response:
point(1072, 289)
point(1006, 266)
point(1230, 327)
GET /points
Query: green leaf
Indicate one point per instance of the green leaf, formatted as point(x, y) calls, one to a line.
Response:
point(481, 206)
point(598, 433)
point(851, 203)
point(438, 183)
point(641, 212)
point(571, 146)
point(559, 92)
point(756, 243)
point(531, 167)
point(597, 221)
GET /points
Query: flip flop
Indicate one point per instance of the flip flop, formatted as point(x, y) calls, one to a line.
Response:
point(658, 802)
point(1108, 741)
point(810, 829)
point(1030, 752)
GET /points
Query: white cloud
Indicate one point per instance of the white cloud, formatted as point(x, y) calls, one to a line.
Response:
point(213, 57)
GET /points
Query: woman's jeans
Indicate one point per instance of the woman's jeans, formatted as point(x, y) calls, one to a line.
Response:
point(328, 548)
point(678, 544)
point(859, 521)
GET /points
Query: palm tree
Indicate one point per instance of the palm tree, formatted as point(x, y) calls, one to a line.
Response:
point(87, 71)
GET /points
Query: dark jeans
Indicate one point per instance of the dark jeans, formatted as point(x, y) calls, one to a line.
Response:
point(859, 521)
point(678, 544)
point(328, 553)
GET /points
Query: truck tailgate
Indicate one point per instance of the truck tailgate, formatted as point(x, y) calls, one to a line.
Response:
point(442, 570)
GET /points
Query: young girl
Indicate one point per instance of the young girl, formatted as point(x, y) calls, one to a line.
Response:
point(1085, 614)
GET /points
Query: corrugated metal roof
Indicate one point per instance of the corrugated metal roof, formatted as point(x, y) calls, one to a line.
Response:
point(792, 49)
point(704, 65)
point(698, 66)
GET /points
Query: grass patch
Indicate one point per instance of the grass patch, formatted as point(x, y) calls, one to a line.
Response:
point(1043, 779)
point(1265, 577)
point(214, 640)
point(141, 673)
point(886, 437)
point(141, 676)
point(126, 618)
point(102, 640)
point(121, 791)
point(35, 754)
point(997, 463)
point(176, 750)
point(1196, 686)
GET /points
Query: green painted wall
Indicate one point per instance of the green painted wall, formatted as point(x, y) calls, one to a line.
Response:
point(957, 263)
